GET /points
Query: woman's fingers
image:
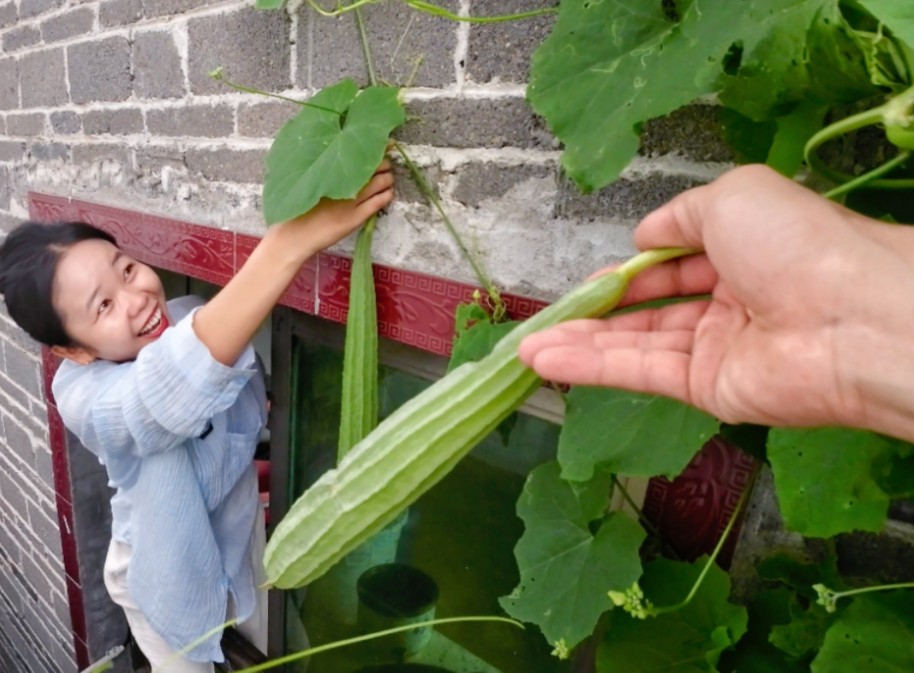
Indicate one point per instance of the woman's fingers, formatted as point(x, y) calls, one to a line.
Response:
point(379, 183)
point(374, 203)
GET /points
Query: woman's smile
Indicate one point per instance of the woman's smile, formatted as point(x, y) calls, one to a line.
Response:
point(156, 324)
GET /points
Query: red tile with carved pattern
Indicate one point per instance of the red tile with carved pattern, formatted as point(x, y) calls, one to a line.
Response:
point(333, 286)
point(49, 208)
point(692, 510)
point(417, 309)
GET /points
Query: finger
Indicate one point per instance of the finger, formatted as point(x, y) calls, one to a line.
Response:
point(656, 372)
point(379, 183)
point(384, 167)
point(684, 277)
point(673, 340)
point(667, 318)
point(740, 197)
point(676, 223)
point(373, 204)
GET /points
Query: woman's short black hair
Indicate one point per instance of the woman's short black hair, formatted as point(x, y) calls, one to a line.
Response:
point(28, 263)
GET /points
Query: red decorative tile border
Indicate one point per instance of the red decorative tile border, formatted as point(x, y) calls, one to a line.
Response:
point(48, 208)
point(413, 308)
point(75, 598)
point(57, 437)
point(692, 510)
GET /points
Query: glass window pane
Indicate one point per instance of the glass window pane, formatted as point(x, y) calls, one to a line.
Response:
point(451, 554)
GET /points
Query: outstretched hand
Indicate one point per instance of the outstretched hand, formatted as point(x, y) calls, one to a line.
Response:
point(331, 220)
point(806, 323)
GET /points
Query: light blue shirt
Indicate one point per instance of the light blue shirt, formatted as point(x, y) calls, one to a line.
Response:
point(176, 431)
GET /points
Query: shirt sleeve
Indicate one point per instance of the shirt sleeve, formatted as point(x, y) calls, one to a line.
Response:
point(154, 403)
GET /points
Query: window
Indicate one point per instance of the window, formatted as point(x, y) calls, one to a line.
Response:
point(451, 554)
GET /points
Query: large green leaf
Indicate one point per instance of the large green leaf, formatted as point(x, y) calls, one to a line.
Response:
point(775, 74)
point(801, 574)
point(824, 479)
point(609, 66)
point(875, 634)
point(329, 149)
point(794, 129)
point(803, 635)
point(566, 569)
point(689, 640)
point(475, 334)
point(898, 17)
point(753, 653)
point(629, 433)
point(895, 472)
point(836, 50)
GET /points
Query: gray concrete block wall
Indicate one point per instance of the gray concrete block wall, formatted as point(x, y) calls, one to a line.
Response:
point(35, 629)
point(111, 101)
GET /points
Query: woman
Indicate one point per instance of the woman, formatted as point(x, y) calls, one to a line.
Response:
point(168, 396)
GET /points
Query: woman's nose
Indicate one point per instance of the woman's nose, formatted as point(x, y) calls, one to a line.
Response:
point(135, 302)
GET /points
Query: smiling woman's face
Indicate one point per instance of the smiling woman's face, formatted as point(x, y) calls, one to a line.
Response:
point(110, 304)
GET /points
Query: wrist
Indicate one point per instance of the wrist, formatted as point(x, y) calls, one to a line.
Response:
point(878, 348)
point(284, 243)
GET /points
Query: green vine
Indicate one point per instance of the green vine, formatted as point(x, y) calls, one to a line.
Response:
point(828, 598)
point(896, 116)
point(432, 9)
point(349, 642)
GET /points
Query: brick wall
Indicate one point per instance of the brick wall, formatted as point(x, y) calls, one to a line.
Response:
point(110, 101)
point(35, 629)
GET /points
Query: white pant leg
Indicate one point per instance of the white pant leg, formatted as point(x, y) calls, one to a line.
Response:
point(255, 627)
point(161, 656)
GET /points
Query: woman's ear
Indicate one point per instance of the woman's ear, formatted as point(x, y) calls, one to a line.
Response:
point(76, 354)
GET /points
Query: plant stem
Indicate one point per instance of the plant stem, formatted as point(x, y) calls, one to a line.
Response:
point(869, 117)
point(878, 587)
point(743, 498)
point(366, 48)
point(649, 258)
point(498, 306)
point(868, 177)
point(839, 128)
point(637, 510)
point(340, 7)
point(311, 651)
point(216, 75)
point(435, 10)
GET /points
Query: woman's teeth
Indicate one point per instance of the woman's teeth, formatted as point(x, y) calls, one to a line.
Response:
point(153, 323)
